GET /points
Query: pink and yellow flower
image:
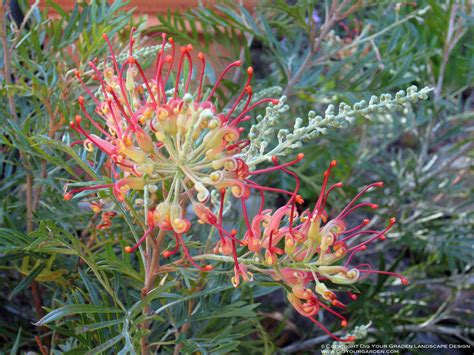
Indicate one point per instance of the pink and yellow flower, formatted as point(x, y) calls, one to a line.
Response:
point(315, 249)
point(167, 133)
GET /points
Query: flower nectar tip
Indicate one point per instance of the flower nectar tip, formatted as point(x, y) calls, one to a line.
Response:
point(337, 303)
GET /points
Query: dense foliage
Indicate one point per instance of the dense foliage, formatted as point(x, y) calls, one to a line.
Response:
point(59, 267)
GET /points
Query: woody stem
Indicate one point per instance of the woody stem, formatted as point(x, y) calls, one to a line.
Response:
point(7, 75)
point(152, 266)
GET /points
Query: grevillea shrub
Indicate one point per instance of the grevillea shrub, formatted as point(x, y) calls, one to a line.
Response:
point(178, 158)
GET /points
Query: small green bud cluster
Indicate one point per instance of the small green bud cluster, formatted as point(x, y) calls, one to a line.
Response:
point(262, 134)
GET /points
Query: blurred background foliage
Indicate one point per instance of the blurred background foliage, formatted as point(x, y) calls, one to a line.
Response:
point(54, 261)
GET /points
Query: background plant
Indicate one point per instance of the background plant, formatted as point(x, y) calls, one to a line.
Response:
point(316, 53)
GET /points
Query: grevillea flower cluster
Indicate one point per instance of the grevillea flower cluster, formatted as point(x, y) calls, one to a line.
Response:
point(293, 243)
point(163, 134)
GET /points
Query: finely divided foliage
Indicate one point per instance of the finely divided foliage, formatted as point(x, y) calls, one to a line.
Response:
point(151, 200)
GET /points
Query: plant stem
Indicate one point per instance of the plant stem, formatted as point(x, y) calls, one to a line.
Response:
point(7, 61)
point(152, 266)
point(7, 74)
point(334, 14)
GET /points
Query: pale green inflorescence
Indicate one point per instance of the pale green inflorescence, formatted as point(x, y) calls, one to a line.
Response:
point(263, 132)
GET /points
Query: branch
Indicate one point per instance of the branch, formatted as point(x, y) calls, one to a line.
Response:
point(449, 45)
point(7, 74)
point(334, 14)
point(23, 25)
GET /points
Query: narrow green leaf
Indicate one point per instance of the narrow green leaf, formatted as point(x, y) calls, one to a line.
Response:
point(14, 349)
point(75, 309)
point(194, 295)
point(27, 280)
point(104, 346)
point(99, 325)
